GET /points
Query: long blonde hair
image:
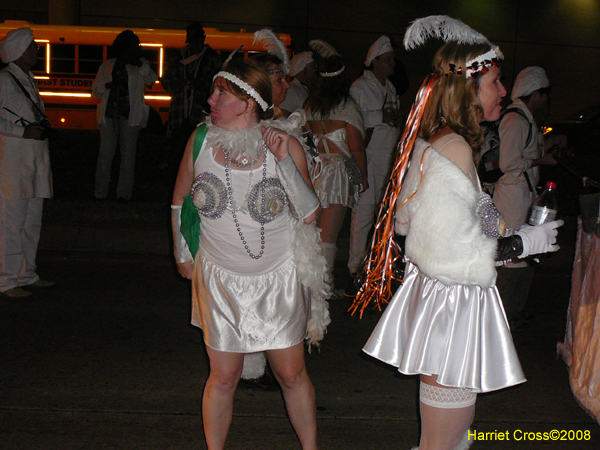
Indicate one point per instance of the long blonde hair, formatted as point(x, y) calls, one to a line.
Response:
point(454, 100)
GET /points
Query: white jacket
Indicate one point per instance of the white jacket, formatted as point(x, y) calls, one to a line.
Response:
point(444, 235)
point(24, 163)
point(138, 77)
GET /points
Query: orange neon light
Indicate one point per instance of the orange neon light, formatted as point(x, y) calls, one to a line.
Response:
point(157, 97)
point(64, 94)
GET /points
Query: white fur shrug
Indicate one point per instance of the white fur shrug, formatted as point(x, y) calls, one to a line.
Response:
point(444, 235)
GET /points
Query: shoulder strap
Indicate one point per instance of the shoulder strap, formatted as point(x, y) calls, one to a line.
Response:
point(26, 93)
point(199, 139)
point(522, 114)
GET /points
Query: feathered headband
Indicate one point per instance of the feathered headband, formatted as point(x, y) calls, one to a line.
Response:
point(325, 50)
point(449, 29)
point(274, 46)
point(322, 48)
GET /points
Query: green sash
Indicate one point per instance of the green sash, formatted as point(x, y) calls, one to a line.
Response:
point(190, 218)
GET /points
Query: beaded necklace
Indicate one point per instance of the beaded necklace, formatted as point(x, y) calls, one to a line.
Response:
point(234, 207)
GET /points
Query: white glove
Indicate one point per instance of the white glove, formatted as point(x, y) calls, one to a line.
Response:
point(539, 239)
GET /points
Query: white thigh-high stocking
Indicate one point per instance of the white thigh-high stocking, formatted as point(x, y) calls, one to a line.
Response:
point(446, 414)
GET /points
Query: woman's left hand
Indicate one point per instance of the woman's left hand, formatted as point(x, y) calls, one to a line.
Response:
point(278, 142)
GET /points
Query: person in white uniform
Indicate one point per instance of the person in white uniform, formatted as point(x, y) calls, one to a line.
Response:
point(248, 293)
point(523, 150)
point(305, 74)
point(376, 97)
point(446, 322)
point(25, 173)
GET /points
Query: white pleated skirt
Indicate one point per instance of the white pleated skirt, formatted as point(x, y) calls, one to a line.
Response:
point(332, 184)
point(249, 313)
point(458, 332)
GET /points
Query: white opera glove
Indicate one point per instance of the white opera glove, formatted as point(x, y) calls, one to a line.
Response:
point(539, 239)
point(302, 197)
point(181, 249)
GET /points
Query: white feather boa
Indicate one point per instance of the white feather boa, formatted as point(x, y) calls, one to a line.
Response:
point(444, 234)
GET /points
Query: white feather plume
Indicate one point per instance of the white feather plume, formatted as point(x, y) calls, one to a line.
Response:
point(440, 27)
point(274, 46)
point(323, 48)
point(230, 57)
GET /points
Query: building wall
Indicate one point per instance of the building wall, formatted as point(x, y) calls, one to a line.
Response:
point(563, 36)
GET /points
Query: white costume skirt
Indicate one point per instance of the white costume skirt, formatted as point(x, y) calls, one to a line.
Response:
point(332, 184)
point(248, 313)
point(458, 332)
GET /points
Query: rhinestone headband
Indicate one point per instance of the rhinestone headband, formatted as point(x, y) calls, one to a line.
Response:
point(277, 71)
point(333, 74)
point(245, 87)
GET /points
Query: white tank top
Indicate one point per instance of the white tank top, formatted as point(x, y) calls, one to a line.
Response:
point(220, 240)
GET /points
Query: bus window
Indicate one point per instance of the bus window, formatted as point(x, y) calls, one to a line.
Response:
point(62, 59)
point(90, 59)
point(152, 54)
point(40, 66)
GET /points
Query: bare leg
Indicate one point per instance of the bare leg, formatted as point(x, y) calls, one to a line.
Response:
point(298, 392)
point(330, 222)
point(217, 402)
point(444, 427)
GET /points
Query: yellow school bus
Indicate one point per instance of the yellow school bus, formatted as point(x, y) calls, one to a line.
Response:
point(70, 57)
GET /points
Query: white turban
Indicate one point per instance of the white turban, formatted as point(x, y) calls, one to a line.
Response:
point(379, 47)
point(14, 44)
point(299, 62)
point(529, 80)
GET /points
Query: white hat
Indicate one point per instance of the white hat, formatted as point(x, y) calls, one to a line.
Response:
point(379, 47)
point(529, 80)
point(14, 44)
point(299, 62)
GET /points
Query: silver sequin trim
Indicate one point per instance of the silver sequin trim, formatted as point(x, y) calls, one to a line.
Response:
point(209, 195)
point(489, 215)
point(274, 202)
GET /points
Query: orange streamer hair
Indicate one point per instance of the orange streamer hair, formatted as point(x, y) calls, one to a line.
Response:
point(379, 265)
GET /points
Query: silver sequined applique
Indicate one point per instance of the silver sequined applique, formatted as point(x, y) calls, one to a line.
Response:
point(489, 215)
point(209, 195)
point(267, 207)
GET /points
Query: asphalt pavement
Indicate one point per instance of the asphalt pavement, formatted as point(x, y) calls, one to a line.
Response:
point(107, 359)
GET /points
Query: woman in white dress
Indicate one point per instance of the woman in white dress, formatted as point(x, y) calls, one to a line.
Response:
point(446, 322)
point(337, 128)
point(247, 293)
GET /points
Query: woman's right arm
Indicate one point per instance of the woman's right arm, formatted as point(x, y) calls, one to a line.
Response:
point(357, 149)
point(183, 186)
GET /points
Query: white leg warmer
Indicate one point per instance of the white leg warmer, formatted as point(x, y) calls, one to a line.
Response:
point(446, 398)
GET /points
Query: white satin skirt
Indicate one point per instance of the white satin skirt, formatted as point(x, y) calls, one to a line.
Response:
point(458, 332)
point(248, 313)
point(332, 184)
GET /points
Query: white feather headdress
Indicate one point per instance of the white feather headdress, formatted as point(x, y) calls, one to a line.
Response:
point(441, 27)
point(452, 30)
point(274, 46)
point(324, 49)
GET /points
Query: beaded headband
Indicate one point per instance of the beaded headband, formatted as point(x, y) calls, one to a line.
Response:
point(245, 87)
point(332, 74)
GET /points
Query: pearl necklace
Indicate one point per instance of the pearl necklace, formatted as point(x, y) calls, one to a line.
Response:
point(234, 207)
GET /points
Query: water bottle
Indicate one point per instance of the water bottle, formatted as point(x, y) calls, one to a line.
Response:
point(544, 207)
